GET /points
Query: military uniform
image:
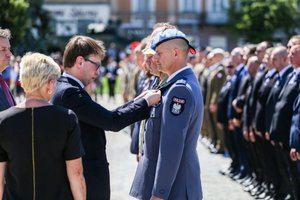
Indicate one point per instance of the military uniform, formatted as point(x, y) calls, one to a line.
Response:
point(169, 167)
point(215, 81)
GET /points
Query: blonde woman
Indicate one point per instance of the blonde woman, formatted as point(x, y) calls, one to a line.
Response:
point(40, 146)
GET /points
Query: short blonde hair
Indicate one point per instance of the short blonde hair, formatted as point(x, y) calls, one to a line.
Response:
point(37, 69)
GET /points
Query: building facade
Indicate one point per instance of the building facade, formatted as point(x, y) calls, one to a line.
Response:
point(75, 17)
point(202, 20)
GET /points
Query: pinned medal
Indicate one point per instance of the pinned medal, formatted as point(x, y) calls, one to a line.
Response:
point(219, 75)
point(177, 106)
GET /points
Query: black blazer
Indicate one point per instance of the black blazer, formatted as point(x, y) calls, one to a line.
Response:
point(236, 82)
point(247, 82)
point(223, 102)
point(273, 97)
point(258, 122)
point(3, 101)
point(93, 120)
point(281, 123)
point(250, 107)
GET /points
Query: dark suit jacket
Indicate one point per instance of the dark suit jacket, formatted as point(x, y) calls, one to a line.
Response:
point(258, 122)
point(273, 96)
point(93, 120)
point(295, 127)
point(3, 101)
point(237, 78)
point(242, 93)
point(223, 102)
point(281, 123)
point(250, 107)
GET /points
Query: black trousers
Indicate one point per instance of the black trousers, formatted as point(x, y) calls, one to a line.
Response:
point(97, 181)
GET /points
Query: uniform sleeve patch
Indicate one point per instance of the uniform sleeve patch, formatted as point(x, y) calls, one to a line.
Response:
point(177, 105)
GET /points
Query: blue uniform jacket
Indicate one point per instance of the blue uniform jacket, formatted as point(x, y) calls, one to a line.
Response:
point(169, 167)
point(295, 127)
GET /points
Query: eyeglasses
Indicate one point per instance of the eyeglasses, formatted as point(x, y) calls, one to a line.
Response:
point(98, 65)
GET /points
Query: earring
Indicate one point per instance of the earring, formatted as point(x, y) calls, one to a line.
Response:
point(49, 91)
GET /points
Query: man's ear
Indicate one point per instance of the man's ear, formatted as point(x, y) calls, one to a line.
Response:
point(79, 61)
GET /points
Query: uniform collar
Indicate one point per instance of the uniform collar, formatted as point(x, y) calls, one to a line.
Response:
point(177, 72)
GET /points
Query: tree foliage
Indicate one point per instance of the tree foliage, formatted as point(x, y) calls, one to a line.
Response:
point(29, 24)
point(258, 20)
point(14, 17)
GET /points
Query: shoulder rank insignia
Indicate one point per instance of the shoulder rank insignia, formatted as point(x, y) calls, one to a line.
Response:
point(181, 81)
point(177, 106)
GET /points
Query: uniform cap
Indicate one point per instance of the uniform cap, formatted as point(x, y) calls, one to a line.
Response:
point(148, 51)
point(170, 34)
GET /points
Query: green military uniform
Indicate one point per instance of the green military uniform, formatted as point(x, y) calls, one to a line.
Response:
point(215, 80)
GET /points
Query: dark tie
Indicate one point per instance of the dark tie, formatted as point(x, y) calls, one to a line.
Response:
point(6, 92)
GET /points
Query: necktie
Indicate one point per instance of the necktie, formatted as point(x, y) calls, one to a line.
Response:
point(6, 91)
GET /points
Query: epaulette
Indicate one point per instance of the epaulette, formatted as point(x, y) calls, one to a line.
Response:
point(181, 82)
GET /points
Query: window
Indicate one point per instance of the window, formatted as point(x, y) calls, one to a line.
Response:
point(143, 13)
point(189, 5)
point(142, 5)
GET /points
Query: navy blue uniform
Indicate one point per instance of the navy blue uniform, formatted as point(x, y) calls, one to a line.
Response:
point(169, 167)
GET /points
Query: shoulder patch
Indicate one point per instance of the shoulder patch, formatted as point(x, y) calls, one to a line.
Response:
point(181, 82)
point(177, 105)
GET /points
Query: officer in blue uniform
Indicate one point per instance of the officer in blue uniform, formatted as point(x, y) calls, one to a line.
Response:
point(295, 132)
point(169, 166)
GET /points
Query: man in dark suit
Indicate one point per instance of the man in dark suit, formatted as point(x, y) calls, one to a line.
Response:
point(6, 99)
point(281, 125)
point(222, 119)
point(82, 59)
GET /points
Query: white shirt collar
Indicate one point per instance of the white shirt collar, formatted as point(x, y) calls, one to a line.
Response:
point(177, 72)
point(74, 78)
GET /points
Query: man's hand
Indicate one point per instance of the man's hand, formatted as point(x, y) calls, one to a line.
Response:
point(298, 155)
point(236, 122)
point(237, 109)
point(251, 136)
point(155, 198)
point(293, 154)
point(213, 108)
point(230, 125)
point(258, 133)
point(267, 136)
point(246, 135)
point(151, 96)
point(220, 125)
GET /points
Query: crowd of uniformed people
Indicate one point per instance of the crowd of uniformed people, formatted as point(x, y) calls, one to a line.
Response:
point(251, 109)
point(251, 112)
